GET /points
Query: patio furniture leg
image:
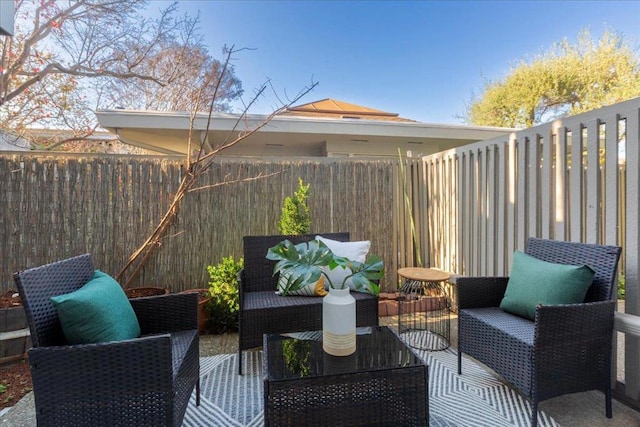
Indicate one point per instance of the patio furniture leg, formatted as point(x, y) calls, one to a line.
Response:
point(607, 400)
point(239, 362)
point(459, 361)
point(198, 393)
point(534, 414)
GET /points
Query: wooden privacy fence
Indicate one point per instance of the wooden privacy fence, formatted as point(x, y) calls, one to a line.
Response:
point(575, 179)
point(56, 206)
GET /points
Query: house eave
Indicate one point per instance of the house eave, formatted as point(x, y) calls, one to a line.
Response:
point(119, 119)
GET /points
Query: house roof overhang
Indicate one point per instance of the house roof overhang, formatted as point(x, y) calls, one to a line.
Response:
point(168, 132)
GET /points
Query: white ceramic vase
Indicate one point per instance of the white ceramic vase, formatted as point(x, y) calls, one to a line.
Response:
point(339, 322)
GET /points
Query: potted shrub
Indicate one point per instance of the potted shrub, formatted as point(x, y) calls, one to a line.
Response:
point(224, 304)
point(306, 263)
point(296, 214)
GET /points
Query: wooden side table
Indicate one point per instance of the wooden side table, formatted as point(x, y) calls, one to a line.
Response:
point(424, 309)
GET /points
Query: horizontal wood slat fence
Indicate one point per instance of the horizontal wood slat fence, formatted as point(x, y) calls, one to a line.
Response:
point(56, 206)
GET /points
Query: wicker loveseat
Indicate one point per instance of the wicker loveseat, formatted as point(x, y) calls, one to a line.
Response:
point(566, 349)
point(264, 312)
point(141, 381)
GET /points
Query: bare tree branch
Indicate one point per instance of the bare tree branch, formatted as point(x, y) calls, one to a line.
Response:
point(195, 170)
point(235, 181)
point(248, 132)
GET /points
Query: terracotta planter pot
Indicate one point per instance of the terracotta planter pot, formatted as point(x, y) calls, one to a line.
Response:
point(148, 291)
point(203, 313)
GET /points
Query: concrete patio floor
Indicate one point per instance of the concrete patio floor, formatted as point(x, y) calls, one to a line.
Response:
point(575, 410)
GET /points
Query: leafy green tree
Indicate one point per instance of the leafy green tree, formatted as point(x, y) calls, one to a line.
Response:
point(296, 215)
point(566, 80)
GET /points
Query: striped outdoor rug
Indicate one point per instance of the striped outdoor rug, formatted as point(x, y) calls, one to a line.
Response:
point(474, 399)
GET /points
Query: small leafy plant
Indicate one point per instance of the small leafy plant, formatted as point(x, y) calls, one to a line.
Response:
point(302, 264)
point(621, 287)
point(296, 215)
point(223, 287)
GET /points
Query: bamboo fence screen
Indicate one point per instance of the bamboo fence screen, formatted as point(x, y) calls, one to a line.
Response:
point(56, 206)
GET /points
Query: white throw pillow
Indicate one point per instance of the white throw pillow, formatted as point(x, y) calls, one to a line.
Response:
point(355, 251)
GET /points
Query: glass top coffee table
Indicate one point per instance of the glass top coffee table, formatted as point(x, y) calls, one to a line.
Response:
point(383, 383)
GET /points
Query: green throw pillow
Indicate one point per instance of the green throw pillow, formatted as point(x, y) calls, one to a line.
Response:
point(98, 312)
point(533, 282)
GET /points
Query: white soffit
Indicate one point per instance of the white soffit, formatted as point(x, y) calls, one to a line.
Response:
point(157, 120)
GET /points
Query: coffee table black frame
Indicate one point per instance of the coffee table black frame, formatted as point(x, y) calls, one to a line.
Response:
point(383, 383)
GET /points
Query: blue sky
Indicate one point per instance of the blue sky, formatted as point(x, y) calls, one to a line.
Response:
point(421, 59)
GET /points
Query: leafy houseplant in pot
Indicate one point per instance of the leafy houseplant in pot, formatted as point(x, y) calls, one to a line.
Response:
point(305, 264)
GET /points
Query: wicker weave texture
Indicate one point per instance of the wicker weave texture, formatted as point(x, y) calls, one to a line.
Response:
point(266, 312)
point(567, 348)
point(385, 388)
point(514, 335)
point(142, 381)
point(61, 277)
point(263, 312)
point(394, 398)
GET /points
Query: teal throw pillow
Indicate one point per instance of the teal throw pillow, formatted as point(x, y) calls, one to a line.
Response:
point(533, 282)
point(98, 312)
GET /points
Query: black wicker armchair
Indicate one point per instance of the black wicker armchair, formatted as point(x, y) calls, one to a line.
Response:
point(141, 381)
point(567, 349)
point(264, 312)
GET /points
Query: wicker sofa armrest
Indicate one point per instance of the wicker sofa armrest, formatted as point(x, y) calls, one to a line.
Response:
point(572, 345)
point(477, 292)
point(76, 373)
point(574, 324)
point(167, 313)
